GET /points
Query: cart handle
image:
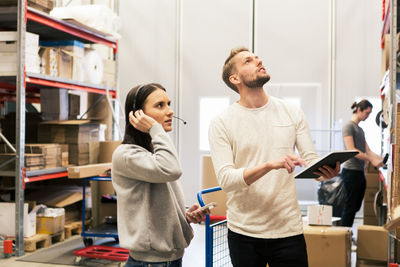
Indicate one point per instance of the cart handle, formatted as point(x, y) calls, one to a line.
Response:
point(206, 191)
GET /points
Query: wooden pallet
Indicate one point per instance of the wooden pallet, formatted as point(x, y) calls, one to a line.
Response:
point(37, 241)
point(74, 228)
point(42, 241)
point(57, 237)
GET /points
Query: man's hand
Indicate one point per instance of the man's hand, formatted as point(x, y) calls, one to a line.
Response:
point(141, 121)
point(289, 162)
point(326, 172)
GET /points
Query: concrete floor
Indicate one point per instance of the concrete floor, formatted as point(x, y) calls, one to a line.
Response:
point(194, 255)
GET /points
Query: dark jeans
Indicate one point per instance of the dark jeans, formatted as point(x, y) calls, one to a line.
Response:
point(131, 262)
point(248, 251)
point(354, 189)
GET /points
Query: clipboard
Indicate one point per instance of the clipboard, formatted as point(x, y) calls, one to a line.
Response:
point(330, 159)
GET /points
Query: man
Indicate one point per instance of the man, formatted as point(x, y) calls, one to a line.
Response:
point(252, 149)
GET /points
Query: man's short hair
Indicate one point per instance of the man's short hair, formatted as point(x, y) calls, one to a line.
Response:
point(229, 67)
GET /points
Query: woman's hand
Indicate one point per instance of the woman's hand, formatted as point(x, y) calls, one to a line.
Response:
point(194, 214)
point(141, 121)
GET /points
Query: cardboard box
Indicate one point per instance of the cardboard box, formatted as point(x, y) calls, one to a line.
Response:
point(7, 220)
point(367, 263)
point(9, 63)
point(75, 50)
point(209, 179)
point(101, 112)
point(369, 209)
point(109, 73)
point(74, 104)
point(319, 215)
point(50, 225)
point(106, 150)
point(55, 62)
point(88, 170)
point(49, 61)
point(70, 132)
point(372, 243)
point(370, 193)
point(328, 246)
point(54, 103)
point(370, 220)
point(83, 154)
point(372, 180)
point(8, 42)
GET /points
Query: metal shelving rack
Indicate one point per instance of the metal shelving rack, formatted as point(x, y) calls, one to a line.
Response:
point(388, 176)
point(22, 18)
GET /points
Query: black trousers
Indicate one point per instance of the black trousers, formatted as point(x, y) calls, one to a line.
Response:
point(248, 251)
point(354, 189)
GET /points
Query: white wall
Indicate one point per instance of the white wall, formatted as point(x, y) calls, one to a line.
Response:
point(292, 38)
point(358, 53)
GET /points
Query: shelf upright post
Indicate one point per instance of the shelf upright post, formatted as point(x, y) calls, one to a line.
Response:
point(393, 104)
point(20, 130)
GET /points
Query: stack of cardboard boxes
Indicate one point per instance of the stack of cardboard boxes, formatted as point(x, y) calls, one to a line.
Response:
point(372, 246)
point(81, 136)
point(8, 53)
point(372, 177)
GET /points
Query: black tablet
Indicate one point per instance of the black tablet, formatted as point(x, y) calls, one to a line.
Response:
point(330, 159)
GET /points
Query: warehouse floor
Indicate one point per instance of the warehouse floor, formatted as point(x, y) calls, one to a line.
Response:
point(194, 255)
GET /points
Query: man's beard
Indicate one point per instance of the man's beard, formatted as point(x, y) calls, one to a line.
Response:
point(257, 82)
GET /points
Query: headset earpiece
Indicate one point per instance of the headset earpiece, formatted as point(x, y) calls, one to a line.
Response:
point(135, 96)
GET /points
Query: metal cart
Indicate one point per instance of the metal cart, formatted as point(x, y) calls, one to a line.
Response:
point(103, 230)
point(217, 251)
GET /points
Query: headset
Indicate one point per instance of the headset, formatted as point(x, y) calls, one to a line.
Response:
point(134, 103)
point(135, 96)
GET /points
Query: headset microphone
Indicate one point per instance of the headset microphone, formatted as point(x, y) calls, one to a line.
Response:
point(184, 122)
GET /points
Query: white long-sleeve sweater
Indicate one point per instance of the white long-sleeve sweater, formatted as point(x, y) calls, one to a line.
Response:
point(151, 210)
point(246, 137)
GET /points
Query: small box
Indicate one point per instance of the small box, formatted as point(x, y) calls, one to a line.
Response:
point(328, 246)
point(8, 42)
point(74, 103)
point(372, 243)
point(7, 220)
point(55, 62)
point(51, 223)
point(88, 170)
point(75, 50)
point(54, 103)
point(319, 215)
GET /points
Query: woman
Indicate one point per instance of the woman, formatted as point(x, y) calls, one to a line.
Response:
point(353, 170)
point(152, 220)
